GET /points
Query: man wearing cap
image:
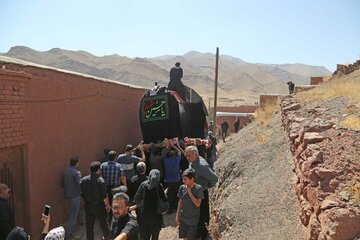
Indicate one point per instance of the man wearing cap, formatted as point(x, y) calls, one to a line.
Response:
point(7, 222)
point(175, 84)
point(127, 160)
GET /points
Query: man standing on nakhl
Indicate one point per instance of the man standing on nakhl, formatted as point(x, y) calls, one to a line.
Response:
point(175, 84)
point(206, 178)
point(7, 222)
point(70, 182)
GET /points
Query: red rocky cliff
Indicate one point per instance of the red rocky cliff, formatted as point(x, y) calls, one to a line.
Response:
point(327, 166)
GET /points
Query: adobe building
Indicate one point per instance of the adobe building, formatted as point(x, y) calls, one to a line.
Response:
point(48, 115)
point(245, 114)
point(270, 99)
point(318, 80)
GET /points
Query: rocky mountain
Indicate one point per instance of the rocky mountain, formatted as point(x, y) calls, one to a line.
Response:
point(237, 79)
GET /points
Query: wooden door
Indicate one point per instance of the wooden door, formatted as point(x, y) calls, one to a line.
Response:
point(12, 174)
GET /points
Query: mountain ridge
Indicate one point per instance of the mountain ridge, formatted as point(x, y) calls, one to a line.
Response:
point(237, 78)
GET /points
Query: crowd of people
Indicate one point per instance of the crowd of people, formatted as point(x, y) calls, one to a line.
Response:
point(128, 193)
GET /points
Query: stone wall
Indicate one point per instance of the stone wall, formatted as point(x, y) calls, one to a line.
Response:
point(326, 168)
point(346, 69)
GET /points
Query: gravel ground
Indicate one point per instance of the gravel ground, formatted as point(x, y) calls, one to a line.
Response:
point(255, 196)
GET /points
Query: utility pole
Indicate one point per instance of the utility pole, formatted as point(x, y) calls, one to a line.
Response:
point(216, 87)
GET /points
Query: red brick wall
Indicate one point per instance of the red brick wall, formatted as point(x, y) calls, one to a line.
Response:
point(316, 80)
point(11, 108)
point(68, 115)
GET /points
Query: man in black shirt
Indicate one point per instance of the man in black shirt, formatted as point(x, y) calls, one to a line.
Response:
point(137, 179)
point(175, 84)
point(291, 86)
point(224, 129)
point(125, 227)
point(94, 192)
point(6, 214)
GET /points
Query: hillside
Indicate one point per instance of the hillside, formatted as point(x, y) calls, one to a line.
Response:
point(237, 79)
point(297, 175)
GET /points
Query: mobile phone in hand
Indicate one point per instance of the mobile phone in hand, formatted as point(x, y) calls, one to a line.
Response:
point(46, 210)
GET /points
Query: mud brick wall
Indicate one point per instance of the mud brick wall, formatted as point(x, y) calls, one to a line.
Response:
point(57, 114)
point(12, 121)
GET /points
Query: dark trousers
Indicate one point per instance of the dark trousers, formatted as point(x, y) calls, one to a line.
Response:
point(109, 192)
point(147, 233)
point(204, 216)
point(172, 192)
point(223, 135)
point(149, 227)
point(93, 212)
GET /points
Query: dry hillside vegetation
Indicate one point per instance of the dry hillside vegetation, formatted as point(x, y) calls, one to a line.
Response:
point(347, 86)
point(265, 112)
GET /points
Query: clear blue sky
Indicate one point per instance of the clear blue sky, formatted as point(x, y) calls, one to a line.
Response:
point(314, 32)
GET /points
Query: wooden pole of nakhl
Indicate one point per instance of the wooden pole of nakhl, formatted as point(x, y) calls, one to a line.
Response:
point(216, 88)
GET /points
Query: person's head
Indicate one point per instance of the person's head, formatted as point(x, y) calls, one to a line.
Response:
point(111, 155)
point(4, 191)
point(74, 161)
point(154, 178)
point(188, 177)
point(137, 152)
point(18, 233)
point(120, 205)
point(177, 64)
point(166, 142)
point(210, 133)
point(106, 151)
point(128, 148)
point(119, 189)
point(141, 168)
point(191, 153)
point(95, 167)
point(211, 122)
point(56, 234)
